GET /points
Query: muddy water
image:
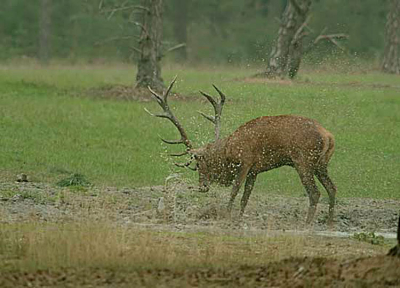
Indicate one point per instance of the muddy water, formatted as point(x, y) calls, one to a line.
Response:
point(243, 229)
point(386, 235)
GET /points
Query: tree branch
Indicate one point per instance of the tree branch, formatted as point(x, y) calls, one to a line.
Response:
point(139, 25)
point(135, 49)
point(299, 33)
point(117, 9)
point(278, 20)
point(331, 38)
point(297, 7)
point(114, 39)
point(175, 47)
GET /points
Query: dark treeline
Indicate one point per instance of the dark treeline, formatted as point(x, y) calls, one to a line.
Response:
point(218, 31)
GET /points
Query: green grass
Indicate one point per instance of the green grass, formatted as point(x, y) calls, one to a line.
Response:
point(49, 129)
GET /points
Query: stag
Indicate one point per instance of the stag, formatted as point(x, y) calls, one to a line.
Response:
point(262, 144)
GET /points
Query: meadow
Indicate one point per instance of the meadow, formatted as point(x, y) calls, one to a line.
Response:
point(61, 120)
point(54, 122)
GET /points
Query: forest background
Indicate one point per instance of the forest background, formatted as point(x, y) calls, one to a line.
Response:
point(219, 32)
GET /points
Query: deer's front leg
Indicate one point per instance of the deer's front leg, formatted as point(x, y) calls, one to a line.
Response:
point(237, 183)
point(248, 187)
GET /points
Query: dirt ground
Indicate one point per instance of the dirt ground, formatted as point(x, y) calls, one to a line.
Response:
point(379, 271)
point(182, 205)
point(179, 207)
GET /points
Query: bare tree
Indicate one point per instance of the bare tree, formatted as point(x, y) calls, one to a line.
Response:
point(286, 53)
point(149, 68)
point(148, 16)
point(391, 60)
point(180, 26)
point(44, 31)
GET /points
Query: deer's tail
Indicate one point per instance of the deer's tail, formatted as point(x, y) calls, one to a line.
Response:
point(328, 148)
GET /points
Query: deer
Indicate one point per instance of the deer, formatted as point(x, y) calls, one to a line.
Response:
point(259, 145)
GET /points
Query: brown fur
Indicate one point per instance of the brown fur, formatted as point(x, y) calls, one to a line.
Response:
point(266, 143)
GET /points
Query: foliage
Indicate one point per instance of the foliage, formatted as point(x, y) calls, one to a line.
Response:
point(369, 237)
point(218, 31)
point(74, 180)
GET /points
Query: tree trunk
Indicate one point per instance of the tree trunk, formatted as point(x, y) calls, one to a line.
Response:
point(391, 61)
point(286, 55)
point(296, 45)
point(395, 251)
point(295, 55)
point(44, 37)
point(180, 27)
point(149, 68)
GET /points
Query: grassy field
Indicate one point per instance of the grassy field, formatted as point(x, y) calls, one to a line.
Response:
point(44, 246)
point(51, 125)
point(40, 246)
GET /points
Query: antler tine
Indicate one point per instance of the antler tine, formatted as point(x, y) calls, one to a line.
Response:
point(209, 98)
point(222, 95)
point(187, 164)
point(213, 103)
point(154, 93)
point(184, 165)
point(192, 168)
point(173, 142)
point(179, 154)
point(169, 88)
point(162, 101)
point(211, 118)
point(159, 115)
point(217, 110)
point(145, 109)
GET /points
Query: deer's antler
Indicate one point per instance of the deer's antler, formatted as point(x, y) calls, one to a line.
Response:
point(218, 105)
point(187, 164)
point(163, 102)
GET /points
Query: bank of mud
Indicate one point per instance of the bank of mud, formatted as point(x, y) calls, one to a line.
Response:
point(180, 204)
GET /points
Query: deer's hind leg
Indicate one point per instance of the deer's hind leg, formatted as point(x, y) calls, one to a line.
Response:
point(308, 181)
point(323, 177)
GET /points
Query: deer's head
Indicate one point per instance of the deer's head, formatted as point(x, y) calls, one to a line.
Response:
point(201, 157)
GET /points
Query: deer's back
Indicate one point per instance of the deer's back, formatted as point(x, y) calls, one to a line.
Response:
point(278, 140)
